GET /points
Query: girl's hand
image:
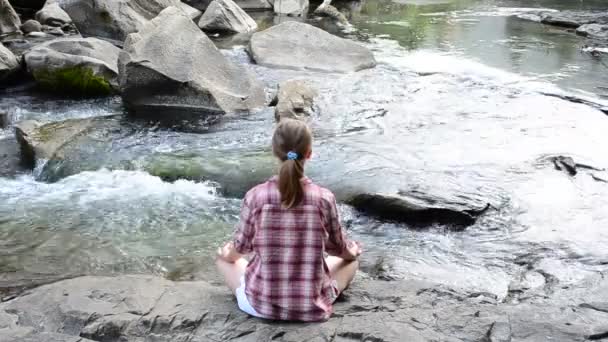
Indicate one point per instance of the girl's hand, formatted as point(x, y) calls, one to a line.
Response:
point(225, 253)
point(353, 250)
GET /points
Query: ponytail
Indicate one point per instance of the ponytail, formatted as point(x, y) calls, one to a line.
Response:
point(291, 143)
point(290, 174)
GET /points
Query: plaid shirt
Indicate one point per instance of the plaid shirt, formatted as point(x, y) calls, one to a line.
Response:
point(287, 277)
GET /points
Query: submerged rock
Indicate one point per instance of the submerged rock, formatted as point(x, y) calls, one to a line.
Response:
point(81, 66)
point(9, 20)
point(300, 46)
point(53, 15)
point(113, 19)
point(574, 19)
point(294, 100)
point(170, 67)
point(31, 26)
point(8, 63)
point(595, 31)
point(226, 16)
point(416, 211)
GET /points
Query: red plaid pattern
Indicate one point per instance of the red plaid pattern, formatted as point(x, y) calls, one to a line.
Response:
point(287, 278)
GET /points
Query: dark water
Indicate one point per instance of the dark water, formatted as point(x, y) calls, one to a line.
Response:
point(455, 108)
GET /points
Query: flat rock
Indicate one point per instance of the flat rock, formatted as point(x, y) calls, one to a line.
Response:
point(294, 100)
point(113, 19)
point(226, 16)
point(145, 308)
point(53, 15)
point(171, 67)
point(78, 66)
point(254, 5)
point(300, 46)
point(9, 20)
point(8, 63)
point(595, 31)
point(573, 19)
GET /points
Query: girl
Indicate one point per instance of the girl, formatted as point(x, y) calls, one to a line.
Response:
point(288, 224)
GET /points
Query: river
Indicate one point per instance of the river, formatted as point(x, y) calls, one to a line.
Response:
point(464, 102)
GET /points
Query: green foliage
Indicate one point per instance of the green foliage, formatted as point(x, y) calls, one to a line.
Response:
point(78, 81)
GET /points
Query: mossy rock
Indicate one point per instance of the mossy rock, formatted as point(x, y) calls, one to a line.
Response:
point(74, 80)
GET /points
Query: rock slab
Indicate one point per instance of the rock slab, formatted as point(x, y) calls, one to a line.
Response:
point(9, 20)
point(595, 31)
point(170, 66)
point(78, 66)
point(114, 19)
point(226, 16)
point(296, 8)
point(299, 46)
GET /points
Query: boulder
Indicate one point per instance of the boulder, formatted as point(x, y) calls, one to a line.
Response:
point(295, 8)
point(53, 15)
point(114, 19)
point(190, 11)
point(170, 67)
point(300, 46)
point(9, 20)
point(294, 100)
point(226, 16)
point(8, 63)
point(573, 19)
point(79, 66)
point(31, 26)
point(595, 31)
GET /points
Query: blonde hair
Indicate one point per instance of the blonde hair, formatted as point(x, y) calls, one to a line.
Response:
point(291, 143)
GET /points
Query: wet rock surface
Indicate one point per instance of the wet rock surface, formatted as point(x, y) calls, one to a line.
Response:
point(53, 15)
point(8, 63)
point(300, 46)
point(140, 308)
point(10, 158)
point(164, 68)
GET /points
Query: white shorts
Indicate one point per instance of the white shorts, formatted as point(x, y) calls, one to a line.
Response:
point(243, 302)
point(246, 307)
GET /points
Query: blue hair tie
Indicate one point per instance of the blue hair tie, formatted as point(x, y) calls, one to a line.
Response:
point(291, 155)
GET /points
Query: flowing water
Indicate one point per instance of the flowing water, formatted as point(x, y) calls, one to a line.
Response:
point(463, 104)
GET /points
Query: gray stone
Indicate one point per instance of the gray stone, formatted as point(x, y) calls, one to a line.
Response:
point(573, 19)
point(190, 11)
point(82, 66)
point(254, 5)
point(113, 19)
point(595, 31)
point(226, 16)
point(53, 15)
point(499, 332)
point(56, 31)
point(8, 63)
point(36, 35)
point(294, 100)
point(296, 8)
point(9, 20)
point(171, 66)
point(300, 46)
point(31, 26)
